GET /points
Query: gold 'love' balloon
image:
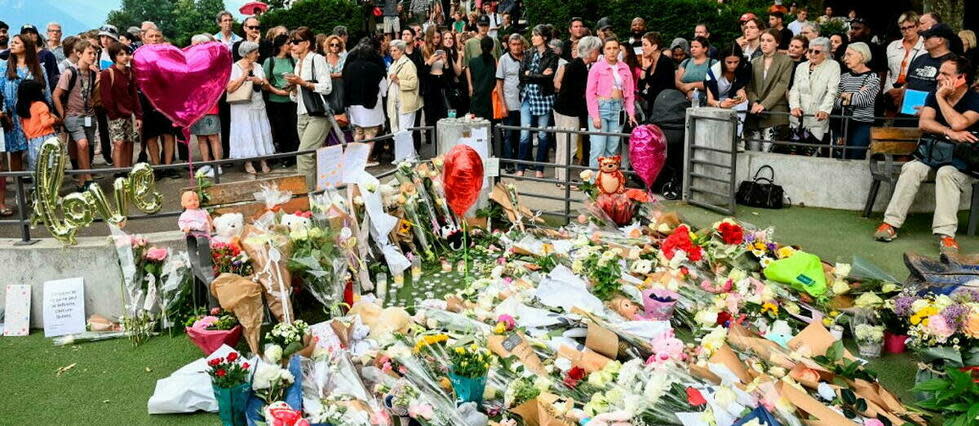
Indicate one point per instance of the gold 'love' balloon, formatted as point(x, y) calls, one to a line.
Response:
point(79, 209)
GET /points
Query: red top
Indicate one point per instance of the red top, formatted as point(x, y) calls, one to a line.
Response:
point(119, 97)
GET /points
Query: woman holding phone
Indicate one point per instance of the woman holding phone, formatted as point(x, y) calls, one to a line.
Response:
point(438, 72)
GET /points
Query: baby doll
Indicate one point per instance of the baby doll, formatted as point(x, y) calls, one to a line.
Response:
point(194, 220)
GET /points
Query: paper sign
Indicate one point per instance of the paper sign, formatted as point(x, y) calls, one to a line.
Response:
point(354, 161)
point(18, 310)
point(404, 146)
point(481, 147)
point(491, 167)
point(64, 307)
point(913, 98)
point(480, 134)
point(329, 160)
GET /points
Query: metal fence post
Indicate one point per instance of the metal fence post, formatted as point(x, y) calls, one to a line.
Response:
point(25, 225)
point(567, 176)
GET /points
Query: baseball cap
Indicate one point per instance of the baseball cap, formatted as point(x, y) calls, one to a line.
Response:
point(28, 28)
point(939, 30)
point(483, 21)
point(603, 23)
point(109, 31)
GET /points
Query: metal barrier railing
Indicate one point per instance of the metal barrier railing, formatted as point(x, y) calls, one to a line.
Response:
point(23, 178)
point(708, 167)
point(566, 164)
point(836, 131)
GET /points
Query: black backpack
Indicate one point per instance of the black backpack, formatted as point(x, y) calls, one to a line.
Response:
point(71, 85)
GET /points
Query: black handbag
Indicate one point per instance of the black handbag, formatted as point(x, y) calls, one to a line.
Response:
point(934, 151)
point(968, 155)
point(335, 98)
point(761, 191)
point(315, 104)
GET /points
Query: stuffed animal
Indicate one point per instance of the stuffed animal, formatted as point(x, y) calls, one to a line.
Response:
point(625, 307)
point(194, 220)
point(610, 179)
point(228, 227)
point(382, 322)
point(296, 222)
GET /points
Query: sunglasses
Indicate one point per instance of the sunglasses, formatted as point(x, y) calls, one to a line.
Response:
point(295, 42)
point(908, 27)
point(815, 51)
point(253, 27)
point(334, 44)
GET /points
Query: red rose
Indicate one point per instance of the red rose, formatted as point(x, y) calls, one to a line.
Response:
point(245, 366)
point(220, 373)
point(576, 373)
point(731, 233)
point(695, 398)
point(680, 240)
point(232, 356)
point(214, 362)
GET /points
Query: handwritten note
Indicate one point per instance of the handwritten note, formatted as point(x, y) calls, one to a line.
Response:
point(64, 307)
point(17, 310)
point(328, 167)
point(354, 161)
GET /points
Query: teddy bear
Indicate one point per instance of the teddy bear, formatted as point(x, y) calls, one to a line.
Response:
point(610, 179)
point(228, 227)
point(296, 222)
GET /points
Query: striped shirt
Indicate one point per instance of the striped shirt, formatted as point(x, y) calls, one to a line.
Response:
point(865, 88)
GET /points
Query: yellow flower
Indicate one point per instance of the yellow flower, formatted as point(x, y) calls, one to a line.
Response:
point(785, 252)
point(769, 307)
point(500, 328)
point(460, 350)
point(922, 315)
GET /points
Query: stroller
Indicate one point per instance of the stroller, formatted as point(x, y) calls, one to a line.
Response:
point(669, 112)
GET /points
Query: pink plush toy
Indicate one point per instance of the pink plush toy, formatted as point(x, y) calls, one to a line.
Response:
point(194, 220)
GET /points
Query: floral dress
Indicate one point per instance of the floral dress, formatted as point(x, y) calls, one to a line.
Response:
point(14, 139)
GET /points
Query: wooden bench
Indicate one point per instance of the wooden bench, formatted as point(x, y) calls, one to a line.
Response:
point(890, 148)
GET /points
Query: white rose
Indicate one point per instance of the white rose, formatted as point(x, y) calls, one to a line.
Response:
point(273, 353)
point(826, 391)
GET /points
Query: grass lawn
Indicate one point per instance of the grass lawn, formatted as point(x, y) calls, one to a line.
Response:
point(111, 381)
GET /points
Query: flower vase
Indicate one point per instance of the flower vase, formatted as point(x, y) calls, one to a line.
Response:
point(894, 343)
point(232, 403)
point(870, 348)
point(468, 389)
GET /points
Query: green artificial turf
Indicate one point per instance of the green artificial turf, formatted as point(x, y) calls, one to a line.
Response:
point(112, 381)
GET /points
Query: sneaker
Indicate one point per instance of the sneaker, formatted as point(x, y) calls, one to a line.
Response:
point(885, 233)
point(206, 170)
point(220, 171)
point(947, 245)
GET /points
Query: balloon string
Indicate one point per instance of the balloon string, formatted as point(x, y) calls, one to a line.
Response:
point(190, 154)
point(465, 243)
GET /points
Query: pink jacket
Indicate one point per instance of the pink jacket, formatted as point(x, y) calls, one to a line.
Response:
point(601, 81)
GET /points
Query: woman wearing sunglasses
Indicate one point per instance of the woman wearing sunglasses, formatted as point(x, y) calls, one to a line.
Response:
point(815, 88)
point(313, 74)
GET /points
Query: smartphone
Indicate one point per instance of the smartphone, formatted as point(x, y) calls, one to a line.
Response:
point(440, 52)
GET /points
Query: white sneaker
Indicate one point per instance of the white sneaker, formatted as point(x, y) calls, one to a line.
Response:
point(206, 171)
point(220, 172)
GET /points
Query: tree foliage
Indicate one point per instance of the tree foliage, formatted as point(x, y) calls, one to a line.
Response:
point(320, 16)
point(179, 20)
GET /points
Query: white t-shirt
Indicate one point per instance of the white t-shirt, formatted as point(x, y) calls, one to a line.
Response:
point(508, 70)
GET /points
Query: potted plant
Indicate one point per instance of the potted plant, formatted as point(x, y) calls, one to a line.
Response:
point(284, 340)
point(229, 379)
point(870, 338)
point(470, 364)
point(209, 332)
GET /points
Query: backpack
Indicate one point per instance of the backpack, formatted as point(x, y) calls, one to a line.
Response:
point(96, 97)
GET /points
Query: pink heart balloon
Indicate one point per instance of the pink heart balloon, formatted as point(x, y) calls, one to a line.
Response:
point(183, 84)
point(647, 152)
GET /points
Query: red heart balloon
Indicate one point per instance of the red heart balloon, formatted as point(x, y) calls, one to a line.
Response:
point(183, 84)
point(462, 178)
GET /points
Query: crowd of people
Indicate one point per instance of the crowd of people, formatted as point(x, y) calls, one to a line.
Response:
point(789, 80)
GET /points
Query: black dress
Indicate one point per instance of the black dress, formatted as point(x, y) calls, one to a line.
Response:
point(654, 81)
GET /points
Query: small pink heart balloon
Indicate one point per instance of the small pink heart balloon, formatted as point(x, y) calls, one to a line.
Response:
point(183, 84)
point(647, 152)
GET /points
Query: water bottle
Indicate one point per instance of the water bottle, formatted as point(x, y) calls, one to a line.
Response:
point(695, 98)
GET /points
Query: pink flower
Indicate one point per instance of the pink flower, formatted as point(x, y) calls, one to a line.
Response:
point(156, 254)
point(939, 327)
point(507, 321)
point(421, 410)
point(204, 323)
point(873, 422)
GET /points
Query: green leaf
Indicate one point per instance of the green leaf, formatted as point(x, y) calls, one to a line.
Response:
point(932, 385)
point(883, 419)
point(849, 413)
point(861, 405)
point(835, 351)
point(958, 407)
point(849, 397)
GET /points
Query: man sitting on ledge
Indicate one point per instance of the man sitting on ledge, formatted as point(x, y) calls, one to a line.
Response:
point(951, 111)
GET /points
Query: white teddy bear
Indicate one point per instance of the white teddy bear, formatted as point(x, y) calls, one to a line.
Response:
point(228, 227)
point(296, 222)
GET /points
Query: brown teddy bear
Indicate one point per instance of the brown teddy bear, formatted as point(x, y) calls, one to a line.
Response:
point(610, 179)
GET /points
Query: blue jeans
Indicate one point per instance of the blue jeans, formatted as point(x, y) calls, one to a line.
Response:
point(526, 144)
point(859, 136)
point(510, 140)
point(609, 112)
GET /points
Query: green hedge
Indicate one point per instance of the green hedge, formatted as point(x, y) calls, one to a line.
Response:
point(320, 16)
point(671, 18)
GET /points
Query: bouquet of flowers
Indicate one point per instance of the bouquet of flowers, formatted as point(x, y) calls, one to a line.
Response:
point(469, 366)
point(209, 332)
point(285, 339)
point(229, 379)
point(140, 298)
point(602, 268)
point(316, 259)
point(271, 381)
point(229, 258)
